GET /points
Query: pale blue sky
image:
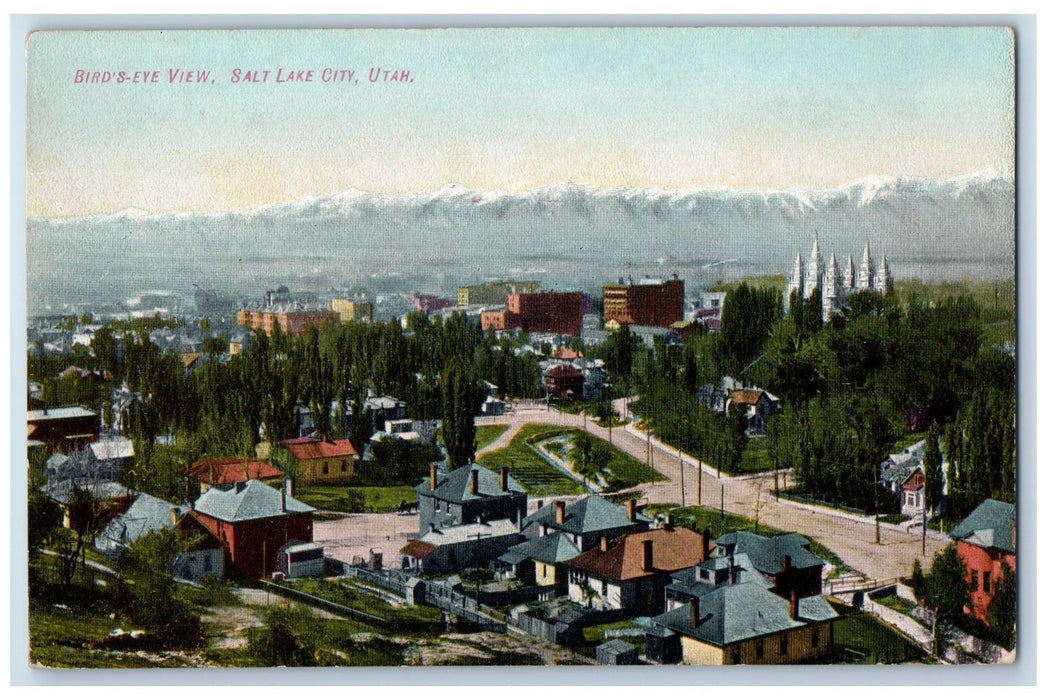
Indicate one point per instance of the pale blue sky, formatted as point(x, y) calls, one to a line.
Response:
point(510, 110)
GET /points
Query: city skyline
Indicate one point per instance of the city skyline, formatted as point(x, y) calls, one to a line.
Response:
point(509, 110)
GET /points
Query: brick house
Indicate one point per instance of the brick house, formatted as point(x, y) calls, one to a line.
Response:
point(253, 521)
point(986, 541)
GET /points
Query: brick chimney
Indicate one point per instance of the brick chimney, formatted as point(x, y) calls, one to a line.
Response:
point(707, 537)
point(560, 507)
point(648, 555)
point(432, 477)
point(474, 482)
point(630, 508)
point(283, 500)
point(603, 543)
point(794, 604)
point(695, 610)
point(503, 480)
point(174, 516)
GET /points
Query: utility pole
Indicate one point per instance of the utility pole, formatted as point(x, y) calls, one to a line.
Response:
point(923, 537)
point(699, 482)
point(682, 499)
point(648, 447)
point(721, 507)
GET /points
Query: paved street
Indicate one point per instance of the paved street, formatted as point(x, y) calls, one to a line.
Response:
point(852, 538)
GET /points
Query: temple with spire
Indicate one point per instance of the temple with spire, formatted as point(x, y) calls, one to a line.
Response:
point(834, 284)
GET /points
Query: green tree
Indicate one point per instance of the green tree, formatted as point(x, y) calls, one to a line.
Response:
point(946, 591)
point(932, 467)
point(461, 401)
point(285, 640)
point(147, 569)
point(1003, 610)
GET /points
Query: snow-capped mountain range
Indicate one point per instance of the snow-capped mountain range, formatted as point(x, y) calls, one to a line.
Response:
point(565, 235)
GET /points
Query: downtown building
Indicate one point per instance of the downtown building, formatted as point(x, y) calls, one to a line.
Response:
point(651, 302)
point(541, 312)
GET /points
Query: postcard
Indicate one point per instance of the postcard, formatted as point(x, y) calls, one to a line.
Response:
point(647, 346)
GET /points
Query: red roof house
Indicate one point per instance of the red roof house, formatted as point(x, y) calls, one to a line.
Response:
point(231, 470)
point(322, 461)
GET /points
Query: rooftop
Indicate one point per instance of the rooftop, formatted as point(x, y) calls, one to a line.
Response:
point(672, 549)
point(313, 448)
point(250, 500)
point(59, 414)
point(230, 470)
point(551, 549)
point(469, 531)
point(766, 552)
point(590, 514)
point(990, 525)
point(455, 486)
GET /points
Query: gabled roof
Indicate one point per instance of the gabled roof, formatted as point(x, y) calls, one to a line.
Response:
point(730, 614)
point(469, 532)
point(588, 515)
point(672, 549)
point(417, 549)
point(454, 486)
point(766, 552)
point(746, 396)
point(113, 448)
point(313, 448)
point(231, 470)
point(990, 525)
point(251, 500)
point(146, 514)
point(62, 491)
point(551, 549)
point(565, 353)
point(59, 414)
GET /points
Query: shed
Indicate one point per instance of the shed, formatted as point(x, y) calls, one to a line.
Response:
point(297, 559)
point(616, 652)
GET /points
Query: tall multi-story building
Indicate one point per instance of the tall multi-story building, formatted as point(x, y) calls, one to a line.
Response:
point(542, 312)
point(650, 302)
point(356, 310)
point(293, 318)
point(834, 284)
point(493, 293)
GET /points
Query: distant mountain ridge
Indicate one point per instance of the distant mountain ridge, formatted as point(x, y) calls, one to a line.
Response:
point(567, 235)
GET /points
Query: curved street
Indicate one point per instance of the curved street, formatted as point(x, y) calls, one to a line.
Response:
point(852, 537)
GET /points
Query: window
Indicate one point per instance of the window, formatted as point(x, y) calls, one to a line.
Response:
point(985, 581)
point(974, 580)
point(603, 588)
point(326, 469)
point(815, 637)
point(345, 467)
point(736, 656)
point(783, 644)
point(759, 648)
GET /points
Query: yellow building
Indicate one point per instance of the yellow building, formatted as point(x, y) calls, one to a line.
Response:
point(745, 623)
point(493, 292)
point(547, 555)
point(356, 310)
point(322, 462)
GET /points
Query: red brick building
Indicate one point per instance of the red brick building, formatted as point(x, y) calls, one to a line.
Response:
point(541, 312)
point(252, 521)
point(63, 429)
point(293, 318)
point(986, 541)
point(564, 381)
point(649, 303)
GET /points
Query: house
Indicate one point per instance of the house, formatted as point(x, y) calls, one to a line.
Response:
point(630, 574)
point(564, 382)
point(64, 428)
point(585, 521)
point(903, 474)
point(326, 462)
point(783, 560)
point(756, 405)
point(913, 499)
point(540, 562)
point(147, 514)
point(230, 470)
point(469, 494)
point(746, 623)
point(111, 497)
point(253, 521)
point(986, 541)
point(451, 549)
point(109, 455)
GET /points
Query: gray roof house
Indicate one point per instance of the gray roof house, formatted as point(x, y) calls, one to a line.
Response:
point(586, 521)
point(776, 557)
point(468, 494)
point(145, 515)
point(989, 526)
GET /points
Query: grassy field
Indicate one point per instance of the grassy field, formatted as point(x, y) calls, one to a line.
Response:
point(861, 638)
point(623, 471)
point(486, 434)
point(536, 475)
point(755, 458)
point(376, 499)
point(357, 598)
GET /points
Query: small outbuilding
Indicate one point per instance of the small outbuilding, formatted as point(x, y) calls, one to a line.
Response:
point(616, 652)
point(296, 559)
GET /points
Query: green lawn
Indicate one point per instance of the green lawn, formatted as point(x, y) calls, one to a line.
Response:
point(755, 458)
point(486, 434)
point(352, 596)
point(377, 499)
point(536, 475)
point(861, 638)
